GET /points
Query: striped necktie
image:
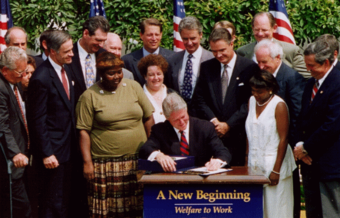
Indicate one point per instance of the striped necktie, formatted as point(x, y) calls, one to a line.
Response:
point(315, 90)
point(184, 145)
point(22, 114)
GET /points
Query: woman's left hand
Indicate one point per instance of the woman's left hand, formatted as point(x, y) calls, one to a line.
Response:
point(274, 179)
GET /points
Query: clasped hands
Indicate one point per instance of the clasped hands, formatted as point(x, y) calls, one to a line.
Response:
point(169, 165)
point(221, 128)
point(300, 154)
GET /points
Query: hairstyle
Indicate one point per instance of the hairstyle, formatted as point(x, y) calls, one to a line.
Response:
point(190, 23)
point(56, 39)
point(44, 35)
point(31, 61)
point(11, 55)
point(220, 34)
point(96, 22)
point(149, 22)
point(152, 60)
point(274, 48)
point(331, 40)
point(264, 80)
point(225, 24)
point(271, 18)
point(107, 61)
point(8, 34)
point(173, 102)
point(322, 51)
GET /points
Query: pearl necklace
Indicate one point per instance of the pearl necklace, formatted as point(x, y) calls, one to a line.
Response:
point(260, 105)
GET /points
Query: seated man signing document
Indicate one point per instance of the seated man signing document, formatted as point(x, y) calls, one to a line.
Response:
point(182, 135)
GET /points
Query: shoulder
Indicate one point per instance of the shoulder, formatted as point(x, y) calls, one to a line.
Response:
point(42, 72)
point(200, 124)
point(211, 62)
point(245, 48)
point(288, 48)
point(133, 55)
point(165, 52)
point(206, 55)
point(176, 56)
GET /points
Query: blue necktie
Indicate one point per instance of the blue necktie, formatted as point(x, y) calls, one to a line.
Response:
point(187, 81)
point(89, 72)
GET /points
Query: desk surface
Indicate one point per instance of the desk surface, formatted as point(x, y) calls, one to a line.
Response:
point(239, 175)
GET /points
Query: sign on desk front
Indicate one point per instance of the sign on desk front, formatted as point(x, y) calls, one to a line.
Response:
point(203, 201)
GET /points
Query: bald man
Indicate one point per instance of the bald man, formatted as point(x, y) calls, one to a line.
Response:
point(113, 44)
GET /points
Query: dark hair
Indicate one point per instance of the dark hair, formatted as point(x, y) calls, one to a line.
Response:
point(8, 33)
point(322, 51)
point(152, 60)
point(220, 34)
point(96, 22)
point(271, 18)
point(264, 80)
point(44, 35)
point(107, 61)
point(149, 22)
point(225, 24)
point(31, 61)
point(56, 39)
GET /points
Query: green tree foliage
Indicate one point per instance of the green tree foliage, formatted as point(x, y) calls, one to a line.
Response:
point(309, 18)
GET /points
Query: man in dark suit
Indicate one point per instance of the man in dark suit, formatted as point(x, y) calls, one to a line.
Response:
point(17, 36)
point(43, 46)
point(151, 35)
point(50, 113)
point(85, 50)
point(268, 54)
point(13, 126)
point(180, 72)
point(199, 138)
point(264, 27)
point(318, 142)
point(222, 93)
point(334, 45)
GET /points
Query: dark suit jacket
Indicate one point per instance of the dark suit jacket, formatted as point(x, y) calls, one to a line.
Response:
point(208, 101)
point(203, 142)
point(131, 62)
point(50, 114)
point(77, 73)
point(319, 125)
point(38, 61)
point(291, 85)
point(12, 126)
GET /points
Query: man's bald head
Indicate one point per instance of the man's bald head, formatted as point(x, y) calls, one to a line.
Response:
point(113, 44)
point(16, 36)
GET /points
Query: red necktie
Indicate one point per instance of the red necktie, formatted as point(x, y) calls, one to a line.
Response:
point(63, 78)
point(315, 90)
point(184, 145)
point(22, 114)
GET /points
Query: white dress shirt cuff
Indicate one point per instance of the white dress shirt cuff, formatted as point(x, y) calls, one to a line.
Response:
point(153, 155)
point(299, 143)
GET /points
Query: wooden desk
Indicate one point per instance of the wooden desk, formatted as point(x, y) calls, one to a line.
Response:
point(237, 193)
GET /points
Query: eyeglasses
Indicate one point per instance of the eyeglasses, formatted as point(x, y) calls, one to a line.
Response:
point(21, 72)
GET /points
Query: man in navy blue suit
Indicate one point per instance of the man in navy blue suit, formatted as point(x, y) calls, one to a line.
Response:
point(318, 142)
point(51, 122)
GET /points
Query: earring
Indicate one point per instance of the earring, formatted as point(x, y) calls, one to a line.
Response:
point(270, 92)
point(101, 79)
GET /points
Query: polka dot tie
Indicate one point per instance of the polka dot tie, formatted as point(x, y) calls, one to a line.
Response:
point(187, 81)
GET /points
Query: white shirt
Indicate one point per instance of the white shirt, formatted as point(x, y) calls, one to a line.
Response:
point(43, 56)
point(146, 53)
point(277, 70)
point(57, 69)
point(196, 62)
point(82, 57)
point(230, 69)
point(335, 62)
point(22, 103)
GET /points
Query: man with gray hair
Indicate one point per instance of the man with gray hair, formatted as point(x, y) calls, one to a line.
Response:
point(13, 125)
point(184, 66)
point(269, 57)
point(334, 45)
point(318, 142)
point(183, 135)
point(50, 112)
point(113, 44)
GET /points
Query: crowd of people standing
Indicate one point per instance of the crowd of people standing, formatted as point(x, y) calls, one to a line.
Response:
point(76, 118)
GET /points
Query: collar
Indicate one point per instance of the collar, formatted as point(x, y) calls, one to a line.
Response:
point(335, 62)
point(231, 63)
point(325, 76)
point(196, 55)
point(146, 53)
point(277, 70)
point(56, 66)
point(43, 56)
point(186, 131)
point(83, 53)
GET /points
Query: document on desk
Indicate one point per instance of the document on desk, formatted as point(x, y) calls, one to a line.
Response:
point(203, 171)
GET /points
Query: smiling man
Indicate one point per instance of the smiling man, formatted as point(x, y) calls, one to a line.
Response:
point(86, 49)
point(182, 135)
point(264, 26)
point(222, 93)
point(51, 122)
point(151, 35)
point(184, 66)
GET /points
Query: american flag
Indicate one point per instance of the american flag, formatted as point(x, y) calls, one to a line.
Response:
point(6, 22)
point(284, 31)
point(179, 13)
point(97, 8)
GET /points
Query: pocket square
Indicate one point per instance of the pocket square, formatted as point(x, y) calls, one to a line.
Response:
point(72, 83)
point(241, 84)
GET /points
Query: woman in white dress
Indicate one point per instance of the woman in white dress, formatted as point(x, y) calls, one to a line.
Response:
point(152, 68)
point(267, 131)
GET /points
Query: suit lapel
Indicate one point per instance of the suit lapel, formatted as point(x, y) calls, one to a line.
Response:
point(177, 68)
point(216, 82)
point(233, 81)
point(15, 103)
point(136, 58)
point(76, 68)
